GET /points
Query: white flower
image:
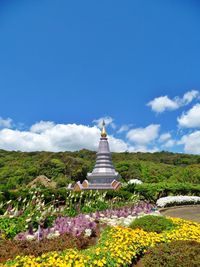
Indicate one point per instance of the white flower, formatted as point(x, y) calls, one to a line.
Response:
point(44, 212)
point(15, 213)
point(57, 233)
point(24, 200)
point(134, 181)
point(114, 217)
point(173, 200)
point(28, 220)
point(52, 235)
point(127, 222)
point(124, 221)
point(88, 232)
point(30, 237)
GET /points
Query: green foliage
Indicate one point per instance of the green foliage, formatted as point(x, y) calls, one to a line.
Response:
point(17, 169)
point(176, 253)
point(120, 194)
point(21, 212)
point(49, 194)
point(9, 227)
point(152, 223)
point(48, 222)
point(154, 191)
point(70, 212)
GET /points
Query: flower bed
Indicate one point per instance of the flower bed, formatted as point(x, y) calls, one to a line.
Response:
point(76, 226)
point(118, 246)
point(124, 216)
point(86, 224)
point(177, 200)
point(34, 219)
point(9, 249)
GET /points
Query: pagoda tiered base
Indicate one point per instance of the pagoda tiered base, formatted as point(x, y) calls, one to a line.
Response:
point(102, 178)
point(114, 185)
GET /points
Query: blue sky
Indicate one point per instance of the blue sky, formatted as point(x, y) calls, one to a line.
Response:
point(66, 64)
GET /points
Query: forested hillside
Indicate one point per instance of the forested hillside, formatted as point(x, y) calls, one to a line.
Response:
point(17, 169)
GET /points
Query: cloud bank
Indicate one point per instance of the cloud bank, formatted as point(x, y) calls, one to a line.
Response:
point(163, 103)
point(48, 136)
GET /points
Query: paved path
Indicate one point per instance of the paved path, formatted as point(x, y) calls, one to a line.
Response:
point(188, 212)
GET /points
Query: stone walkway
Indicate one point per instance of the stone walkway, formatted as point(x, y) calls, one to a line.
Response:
point(187, 212)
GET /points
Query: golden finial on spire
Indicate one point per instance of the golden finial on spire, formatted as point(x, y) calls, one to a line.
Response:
point(103, 131)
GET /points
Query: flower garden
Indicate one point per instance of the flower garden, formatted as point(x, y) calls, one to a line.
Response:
point(94, 229)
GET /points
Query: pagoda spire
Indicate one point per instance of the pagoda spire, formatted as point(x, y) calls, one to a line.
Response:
point(103, 131)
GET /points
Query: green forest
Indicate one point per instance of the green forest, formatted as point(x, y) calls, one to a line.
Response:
point(17, 169)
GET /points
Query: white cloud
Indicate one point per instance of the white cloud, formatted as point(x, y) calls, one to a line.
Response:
point(164, 137)
point(143, 136)
point(169, 143)
point(5, 123)
point(41, 126)
point(108, 121)
point(124, 128)
point(189, 97)
point(191, 142)
point(118, 145)
point(162, 103)
point(166, 140)
point(48, 136)
point(140, 148)
point(191, 118)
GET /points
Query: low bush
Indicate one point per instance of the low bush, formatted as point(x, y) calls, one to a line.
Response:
point(121, 194)
point(151, 223)
point(49, 194)
point(177, 253)
point(152, 192)
point(9, 249)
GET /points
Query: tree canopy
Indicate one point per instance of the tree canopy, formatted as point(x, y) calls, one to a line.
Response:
point(19, 168)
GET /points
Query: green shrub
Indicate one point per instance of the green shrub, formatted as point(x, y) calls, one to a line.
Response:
point(123, 195)
point(177, 253)
point(152, 192)
point(151, 223)
point(9, 227)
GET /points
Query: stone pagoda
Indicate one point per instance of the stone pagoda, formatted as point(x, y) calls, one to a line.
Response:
point(103, 175)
